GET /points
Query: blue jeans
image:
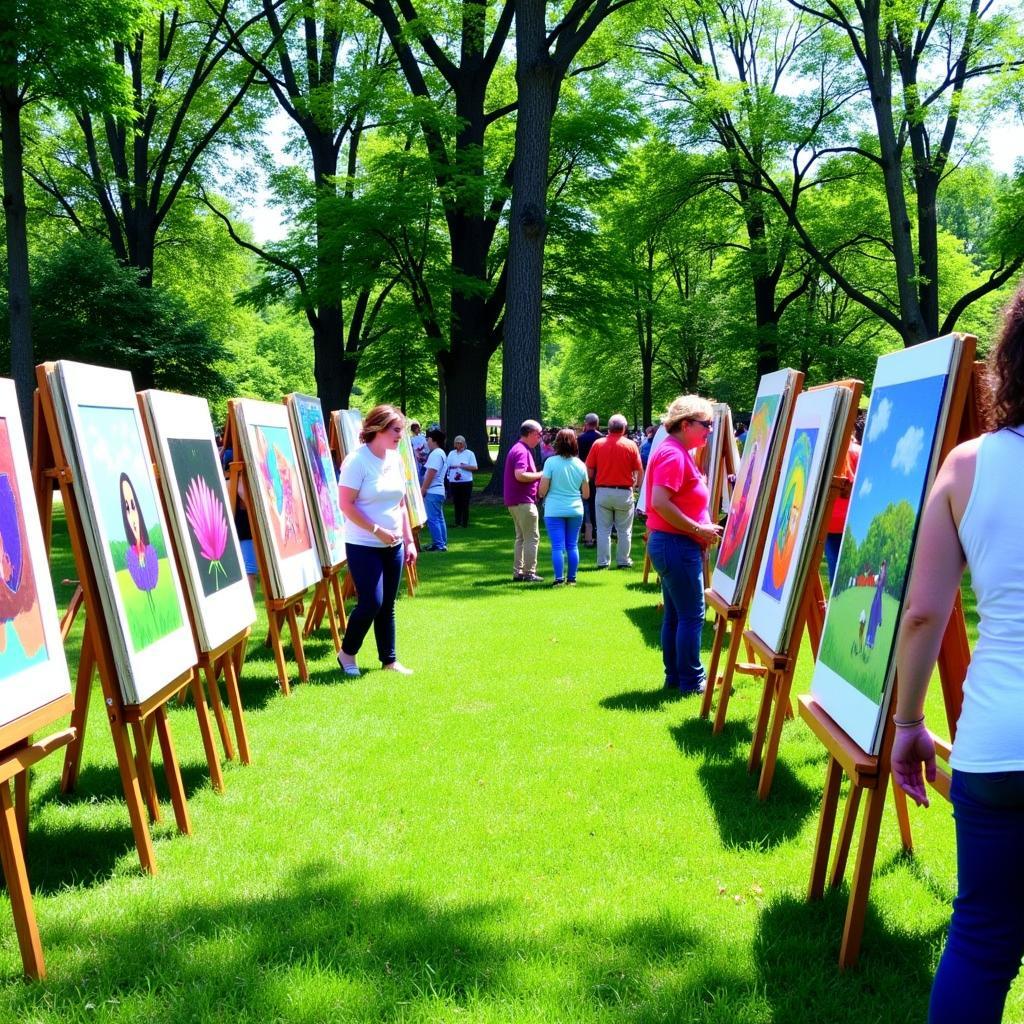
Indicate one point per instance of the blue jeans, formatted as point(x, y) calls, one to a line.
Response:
point(679, 562)
point(376, 572)
point(564, 533)
point(435, 520)
point(986, 935)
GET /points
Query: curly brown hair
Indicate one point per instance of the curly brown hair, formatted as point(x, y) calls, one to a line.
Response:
point(1006, 366)
point(566, 444)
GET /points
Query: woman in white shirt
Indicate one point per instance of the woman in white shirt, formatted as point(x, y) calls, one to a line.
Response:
point(433, 490)
point(378, 538)
point(461, 467)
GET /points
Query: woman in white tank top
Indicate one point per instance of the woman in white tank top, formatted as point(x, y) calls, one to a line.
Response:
point(973, 519)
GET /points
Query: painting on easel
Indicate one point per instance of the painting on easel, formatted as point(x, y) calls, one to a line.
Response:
point(320, 476)
point(278, 496)
point(197, 504)
point(413, 496)
point(127, 535)
point(33, 671)
point(348, 423)
point(904, 429)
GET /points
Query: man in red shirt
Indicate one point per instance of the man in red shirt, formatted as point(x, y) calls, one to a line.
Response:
point(614, 466)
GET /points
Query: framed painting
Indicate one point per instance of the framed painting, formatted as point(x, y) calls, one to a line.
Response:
point(761, 452)
point(134, 563)
point(413, 497)
point(347, 424)
point(319, 476)
point(196, 499)
point(33, 669)
point(808, 465)
point(277, 496)
point(902, 436)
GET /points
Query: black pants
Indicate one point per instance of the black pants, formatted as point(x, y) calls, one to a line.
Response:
point(461, 491)
point(376, 572)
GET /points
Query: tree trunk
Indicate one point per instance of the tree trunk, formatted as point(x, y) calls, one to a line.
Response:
point(334, 372)
point(18, 294)
point(465, 391)
point(928, 250)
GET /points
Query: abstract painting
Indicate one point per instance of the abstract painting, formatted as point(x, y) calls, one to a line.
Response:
point(278, 474)
point(413, 496)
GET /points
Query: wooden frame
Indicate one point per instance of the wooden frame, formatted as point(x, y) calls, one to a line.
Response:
point(870, 774)
point(50, 467)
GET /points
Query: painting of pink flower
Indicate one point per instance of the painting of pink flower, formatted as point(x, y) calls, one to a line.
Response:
point(205, 514)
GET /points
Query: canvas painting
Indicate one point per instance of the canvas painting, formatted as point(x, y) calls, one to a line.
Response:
point(761, 452)
point(33, 670)
point(135, 567)
point(278, 496)
point(320, 477)
point(905, 423)
point(795, 521)
point(197, 506)
point(413, 497)
point(348, 423)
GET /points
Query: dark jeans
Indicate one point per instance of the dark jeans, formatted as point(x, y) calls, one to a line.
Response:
point(461, 492)
point(986, 935)
point(679, 562)
point(376, 573)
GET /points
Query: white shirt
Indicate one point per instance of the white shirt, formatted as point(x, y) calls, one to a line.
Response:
point(456, 461)
point(380, 487)
point(435, 461)
point(419, 447)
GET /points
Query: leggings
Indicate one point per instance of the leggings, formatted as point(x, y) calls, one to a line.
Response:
point(376, 572)
point(564, 533)
point(986, 935)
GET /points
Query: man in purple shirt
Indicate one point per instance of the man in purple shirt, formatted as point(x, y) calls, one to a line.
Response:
point(521, 482)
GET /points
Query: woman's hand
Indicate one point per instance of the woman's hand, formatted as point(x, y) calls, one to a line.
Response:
point(411, 552)
point(913, 747)
point(708, 534)
point(387, 536)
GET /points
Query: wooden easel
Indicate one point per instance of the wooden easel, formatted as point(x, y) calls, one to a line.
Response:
point(780, 665)
point(211, 663)
point(730, 616)
point(279, 610)
point(327, 600)
point(50, 465)
point(869, 774)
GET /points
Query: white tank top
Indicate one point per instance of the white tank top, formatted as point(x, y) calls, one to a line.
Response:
point(990, 731)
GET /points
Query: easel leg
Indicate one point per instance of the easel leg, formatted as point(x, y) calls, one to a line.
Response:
point(133, 795)
point(410, 584)
point(218, 710)
point(764, 713)
point(235, 701)
point(727, 676)
point(212, 757)
point(316, 611)
point(79, 716)
point(846, 830)
point(16, 874)
point(339, 603)
point(300, 654)
point(173, 771)
point(274, 638)
point(856, 909)
point(721, 625)
point(331, 617)
point(144, 769)
point(826, 829)
point(782, 686)
point(899, 799)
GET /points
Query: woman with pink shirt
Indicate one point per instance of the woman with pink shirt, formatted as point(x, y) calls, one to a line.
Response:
point(680, 531)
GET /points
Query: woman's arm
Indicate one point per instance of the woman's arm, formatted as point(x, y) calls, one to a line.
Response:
point(428, 476)
point(347, 500)
point(545, 486)
point(704, 534)
point(585, 490)
point(472, 467)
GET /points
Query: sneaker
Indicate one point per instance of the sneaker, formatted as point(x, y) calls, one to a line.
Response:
point(397, 666)
point(532, 577)
point(605, 566)
point(350, 668)
point(625, 565)
point(558, 583)
point(433, 547)
point(570, 583)
point(692, 691)
point(518, 577)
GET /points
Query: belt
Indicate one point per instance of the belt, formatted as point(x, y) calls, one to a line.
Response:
point(617, 487)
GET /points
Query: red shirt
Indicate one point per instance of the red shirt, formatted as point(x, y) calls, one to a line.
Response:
point(837, 521)
point(612, 460)
point(672, 466)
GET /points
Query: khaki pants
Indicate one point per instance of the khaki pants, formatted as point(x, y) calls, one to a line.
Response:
point(527, 537)
point(614, 507)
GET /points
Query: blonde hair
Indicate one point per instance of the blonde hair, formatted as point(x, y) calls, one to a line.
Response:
point(379, 418)
point(686, 407)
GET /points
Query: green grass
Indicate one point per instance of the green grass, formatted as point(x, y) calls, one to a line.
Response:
point(152, 615)
point(527, 829)
point(841, 648)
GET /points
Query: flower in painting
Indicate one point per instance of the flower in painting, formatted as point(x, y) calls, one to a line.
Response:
point(143, 566)
point(205, 514)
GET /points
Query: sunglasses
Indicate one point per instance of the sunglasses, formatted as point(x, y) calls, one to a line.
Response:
point(706, 424)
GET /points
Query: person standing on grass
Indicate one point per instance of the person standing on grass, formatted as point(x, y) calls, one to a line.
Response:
point(681, 530)
point(564, 488)
point(418, 443)
point(521, 481)
point(586, 439)
point(972, 520)
point(461, 467)
point(432, 490)
point(615, 467)
point(378, 537)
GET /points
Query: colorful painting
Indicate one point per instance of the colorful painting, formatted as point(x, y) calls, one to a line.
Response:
point(794, 495)
point(903, 431)
point(127, 506)
point(282, 489)
point(413, 497)
point(321, 475)
point(349, 424)
point(22, 637)
point(197, 475)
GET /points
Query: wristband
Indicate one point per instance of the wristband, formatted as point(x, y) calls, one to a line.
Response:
point(908, 725)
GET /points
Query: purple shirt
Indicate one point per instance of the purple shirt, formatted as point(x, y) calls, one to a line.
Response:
point(516, 493)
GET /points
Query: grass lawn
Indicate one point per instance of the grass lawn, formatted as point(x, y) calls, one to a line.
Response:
point(842, 649)
point(527, 829)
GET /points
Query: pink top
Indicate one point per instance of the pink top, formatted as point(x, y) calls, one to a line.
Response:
point(672, 466)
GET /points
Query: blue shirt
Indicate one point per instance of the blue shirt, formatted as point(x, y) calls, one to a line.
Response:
point(566, 476)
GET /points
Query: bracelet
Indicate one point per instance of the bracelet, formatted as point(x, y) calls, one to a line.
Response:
point(908, 725)
point(374, 528)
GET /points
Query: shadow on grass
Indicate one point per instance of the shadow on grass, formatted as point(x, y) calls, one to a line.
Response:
point(797, 948)
point(641, 700)
point(742, 819)
point(77, 854)
point(647, 620)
